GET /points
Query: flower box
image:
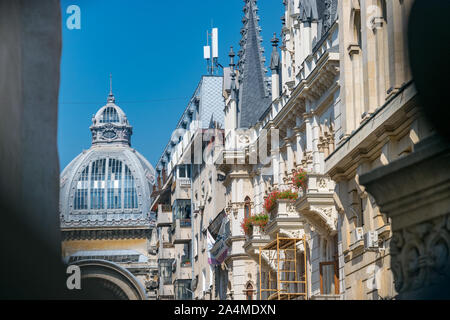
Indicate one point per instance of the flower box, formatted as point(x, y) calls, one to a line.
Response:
point(275, 196)
point(254, 223)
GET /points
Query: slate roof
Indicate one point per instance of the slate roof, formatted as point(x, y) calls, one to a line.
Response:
point(323, 11)
point(212, 103)
point(254, 93)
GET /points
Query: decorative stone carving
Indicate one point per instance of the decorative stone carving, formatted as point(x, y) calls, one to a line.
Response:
point(414, 194)
point(322, 183)
point(421, 255)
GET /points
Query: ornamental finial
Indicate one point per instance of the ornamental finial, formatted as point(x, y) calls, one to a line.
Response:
point(111, 98)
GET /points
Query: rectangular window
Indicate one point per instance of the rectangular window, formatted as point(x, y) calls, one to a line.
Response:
point(196, 245)
point(114, 184)
point(329, 278)
point(186, 257)
point(181, 171)
point(165, 271)
point(184, 171)
point(183, 290)
point(182, 211)
point(98, 184)
point(130, 195)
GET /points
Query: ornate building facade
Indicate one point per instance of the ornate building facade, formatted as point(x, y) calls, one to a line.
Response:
point(105, 214)
point(340, 103)
point(295, 254)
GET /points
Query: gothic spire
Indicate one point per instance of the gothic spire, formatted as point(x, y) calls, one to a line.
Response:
point(275, 57)
point(254, 94)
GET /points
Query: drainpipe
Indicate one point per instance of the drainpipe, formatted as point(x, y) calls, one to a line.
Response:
point(192, 227)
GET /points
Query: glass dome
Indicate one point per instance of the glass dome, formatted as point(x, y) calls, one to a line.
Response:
point(110, 184)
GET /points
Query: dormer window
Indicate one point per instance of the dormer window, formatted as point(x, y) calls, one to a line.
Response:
point(110, 115)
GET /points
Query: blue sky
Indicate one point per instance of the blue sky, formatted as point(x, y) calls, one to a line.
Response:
point(154, 50)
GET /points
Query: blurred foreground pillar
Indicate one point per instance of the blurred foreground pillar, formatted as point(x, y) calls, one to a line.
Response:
point(415, 193)
point(30, 50)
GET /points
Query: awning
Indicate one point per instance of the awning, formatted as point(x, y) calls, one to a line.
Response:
point(214, 226)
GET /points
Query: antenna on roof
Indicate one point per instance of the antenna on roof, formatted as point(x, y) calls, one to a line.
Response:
point(212, 64)
point(207, 53)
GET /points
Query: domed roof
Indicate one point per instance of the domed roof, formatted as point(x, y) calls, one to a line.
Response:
point(110, 125)
point(110, 184)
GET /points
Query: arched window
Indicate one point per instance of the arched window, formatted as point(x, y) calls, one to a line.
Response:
point(106, 183)
point(247, 208)
point(109, 115)
point(249, 291)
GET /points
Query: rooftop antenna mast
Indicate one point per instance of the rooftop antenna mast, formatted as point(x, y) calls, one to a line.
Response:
point(212, 51)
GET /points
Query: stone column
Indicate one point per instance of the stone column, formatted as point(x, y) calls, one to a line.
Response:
point(290, 156)
point(282, 168)
point(315, 143)
point(299, 155)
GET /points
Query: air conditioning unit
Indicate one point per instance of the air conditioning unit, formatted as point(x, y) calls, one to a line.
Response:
point(371, 240)
point(357, 235)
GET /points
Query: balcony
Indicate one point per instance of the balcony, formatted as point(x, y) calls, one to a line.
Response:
point(285, 220)
point(166, 253)
point(184, 182)
point(185, 262)
point(182, 232)
point(164, 215)
point(317, 204)
point(255, 239)
point(182, 270)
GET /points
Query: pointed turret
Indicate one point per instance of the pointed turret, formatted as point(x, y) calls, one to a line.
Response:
point(232, 74)
point(254, 93)
point(275, 67)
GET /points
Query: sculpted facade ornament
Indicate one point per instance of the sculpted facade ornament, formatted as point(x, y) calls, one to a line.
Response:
point(327, 218)
point(294, 234)
point(322, 183)
point(233, 207)
point(421, 254)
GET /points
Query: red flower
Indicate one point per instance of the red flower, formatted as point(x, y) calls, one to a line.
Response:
point(259, 220)
point(300, 178)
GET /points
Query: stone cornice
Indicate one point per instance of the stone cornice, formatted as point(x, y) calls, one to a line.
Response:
point(366, 142)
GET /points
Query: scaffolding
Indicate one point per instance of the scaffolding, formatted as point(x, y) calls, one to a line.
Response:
point(285, 281)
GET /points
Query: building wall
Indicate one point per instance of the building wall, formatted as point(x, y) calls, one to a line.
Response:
point(380, 124)
point(208, 197)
